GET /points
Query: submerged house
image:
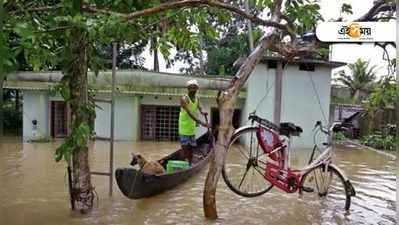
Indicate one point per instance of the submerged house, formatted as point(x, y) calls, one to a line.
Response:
point(147, 103)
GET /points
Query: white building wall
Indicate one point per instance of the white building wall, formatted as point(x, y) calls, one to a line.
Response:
point(126, 118)
point(127, 114)
point(159, 100)
point(299, 103)
point(35, 106)
point(260, 94)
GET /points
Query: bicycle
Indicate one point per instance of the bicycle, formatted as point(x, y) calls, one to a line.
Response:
point(267, 155)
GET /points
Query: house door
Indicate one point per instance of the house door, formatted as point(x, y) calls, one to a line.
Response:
point(159, 123)
point(59, 119)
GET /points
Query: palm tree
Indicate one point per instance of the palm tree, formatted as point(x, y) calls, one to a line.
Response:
point(360, 80)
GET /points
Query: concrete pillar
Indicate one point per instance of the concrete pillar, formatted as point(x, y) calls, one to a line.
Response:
point(278, 93)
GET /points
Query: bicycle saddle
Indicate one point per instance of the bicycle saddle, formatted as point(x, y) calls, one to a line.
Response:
point(290, 129)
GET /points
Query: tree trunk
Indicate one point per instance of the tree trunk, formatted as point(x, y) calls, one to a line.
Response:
point(217, 160)
point(357, 95)
point(3, 50)
point(154, 43)
point(353, 94)
point(82, 188)
point(371, 124)
point(226, 101)
point(1, 105)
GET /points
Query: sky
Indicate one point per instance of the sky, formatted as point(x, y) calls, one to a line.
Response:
point(349, 53)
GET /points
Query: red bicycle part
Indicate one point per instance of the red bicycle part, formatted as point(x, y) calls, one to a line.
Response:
point(287, 180)
point(269, 141)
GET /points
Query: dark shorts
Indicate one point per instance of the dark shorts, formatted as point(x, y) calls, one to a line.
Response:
point(188, 140)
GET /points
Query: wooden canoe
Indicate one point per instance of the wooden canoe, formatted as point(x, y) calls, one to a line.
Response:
point(135, 185)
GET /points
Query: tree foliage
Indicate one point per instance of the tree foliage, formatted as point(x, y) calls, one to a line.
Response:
point(384, 94)
point(346, 8)
point(222, 54)
point(360, 79)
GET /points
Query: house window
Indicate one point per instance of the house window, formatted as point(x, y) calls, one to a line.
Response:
point(307, 66)
point(159, 123)
point(58, 119)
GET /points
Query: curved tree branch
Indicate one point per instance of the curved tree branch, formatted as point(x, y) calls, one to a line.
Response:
point(379, 6)
point(295, 49)
point(35, 9)
point(226, 99)
point(192, 3)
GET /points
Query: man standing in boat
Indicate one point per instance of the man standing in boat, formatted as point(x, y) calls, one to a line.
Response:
point(189, 107)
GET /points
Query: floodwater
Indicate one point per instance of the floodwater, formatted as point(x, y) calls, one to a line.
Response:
point(33, 190)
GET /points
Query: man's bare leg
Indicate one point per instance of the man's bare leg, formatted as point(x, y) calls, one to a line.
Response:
point(188, 153)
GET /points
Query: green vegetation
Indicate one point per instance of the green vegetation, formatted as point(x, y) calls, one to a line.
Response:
point(374, 96)
point(343, 100)
point(383, 96)
point(380, 141)
point(223, 54)
point(339, 136)
point(77, 140)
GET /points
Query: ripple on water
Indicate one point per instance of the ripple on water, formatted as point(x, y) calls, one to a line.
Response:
point(33, 182)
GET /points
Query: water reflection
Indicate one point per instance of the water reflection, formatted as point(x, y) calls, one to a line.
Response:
point(33, 191)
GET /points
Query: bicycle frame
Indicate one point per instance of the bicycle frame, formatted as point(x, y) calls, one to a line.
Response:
point(276, 168)
point(279, 171)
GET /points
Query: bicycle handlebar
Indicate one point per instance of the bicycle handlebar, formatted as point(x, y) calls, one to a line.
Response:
point(336, 126)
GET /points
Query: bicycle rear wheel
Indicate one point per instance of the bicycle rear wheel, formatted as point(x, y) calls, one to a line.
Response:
point(327, 186)
point(245, 165)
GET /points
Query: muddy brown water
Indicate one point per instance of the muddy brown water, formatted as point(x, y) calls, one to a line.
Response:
point(33, 190)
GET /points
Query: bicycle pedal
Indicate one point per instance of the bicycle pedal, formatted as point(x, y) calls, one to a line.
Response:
point(307, 189)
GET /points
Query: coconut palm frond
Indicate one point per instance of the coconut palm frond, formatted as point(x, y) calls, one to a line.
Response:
point(361, 77)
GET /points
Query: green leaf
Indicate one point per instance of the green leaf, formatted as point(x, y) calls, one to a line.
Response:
point(346, 8)
point(296, 5)
point(58, 154)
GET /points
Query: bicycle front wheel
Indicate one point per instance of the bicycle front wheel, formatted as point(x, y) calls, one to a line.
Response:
point(325, 185)
point(245, 165)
